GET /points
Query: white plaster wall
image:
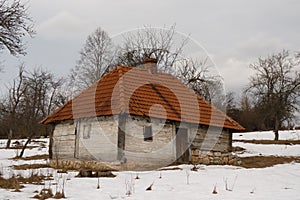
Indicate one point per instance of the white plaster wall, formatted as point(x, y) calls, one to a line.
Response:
point(160, 149)
point(102, 141)
point(63, 141)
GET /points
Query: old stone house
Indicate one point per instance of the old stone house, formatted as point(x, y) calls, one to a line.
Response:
point(142, 116)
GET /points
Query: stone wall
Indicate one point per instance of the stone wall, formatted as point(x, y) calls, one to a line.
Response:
point(214, 158)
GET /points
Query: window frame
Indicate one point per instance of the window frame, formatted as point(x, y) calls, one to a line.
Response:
point(148, 133)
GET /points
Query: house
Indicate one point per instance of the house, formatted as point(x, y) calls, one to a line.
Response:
point(139, 116)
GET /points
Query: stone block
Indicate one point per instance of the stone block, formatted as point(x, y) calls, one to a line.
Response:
point(218, 154)
point(225, 160)
point(206, 161)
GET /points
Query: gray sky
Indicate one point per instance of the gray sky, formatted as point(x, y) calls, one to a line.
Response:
point(234, 32)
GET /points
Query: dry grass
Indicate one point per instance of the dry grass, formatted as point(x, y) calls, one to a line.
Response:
point(30, 166)
point(266, 161)
point(35, 157)
point(11, 183)
point(33, 179)
point(44, 194)
point(285, 142)
point(16, 182)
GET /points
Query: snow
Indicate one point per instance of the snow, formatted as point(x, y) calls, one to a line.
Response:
point(267, 135)
point(268, 149)
point(277, 182)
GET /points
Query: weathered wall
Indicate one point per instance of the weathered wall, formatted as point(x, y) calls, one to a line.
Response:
point(98, 139)
point(212, 139)
point(64, 140)
point(161, 149)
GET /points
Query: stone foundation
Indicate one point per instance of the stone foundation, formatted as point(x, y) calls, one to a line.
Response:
point(214, 158)
point(198, 157)
point(99, 166)
point(83, 164)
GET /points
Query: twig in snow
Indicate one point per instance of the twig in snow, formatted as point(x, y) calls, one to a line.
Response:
point(98, 184)
point(150, 187)
point(215, 189)
point(187, 172)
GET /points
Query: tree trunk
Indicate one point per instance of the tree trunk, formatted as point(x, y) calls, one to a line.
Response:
point(276, 130)
point(9, 139)
point(276, 135)
point(51, 142)
point(25, 145)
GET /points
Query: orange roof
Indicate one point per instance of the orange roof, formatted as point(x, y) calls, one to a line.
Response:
point(135, 91)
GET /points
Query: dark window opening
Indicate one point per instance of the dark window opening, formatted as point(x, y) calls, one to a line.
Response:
point(148, 134)
point(86, 131)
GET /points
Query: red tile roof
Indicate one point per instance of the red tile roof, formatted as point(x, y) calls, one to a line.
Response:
point(136, 92)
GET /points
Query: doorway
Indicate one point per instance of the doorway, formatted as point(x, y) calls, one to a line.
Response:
point(182, 145)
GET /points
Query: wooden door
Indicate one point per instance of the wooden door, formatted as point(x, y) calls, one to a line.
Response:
point(182, 145)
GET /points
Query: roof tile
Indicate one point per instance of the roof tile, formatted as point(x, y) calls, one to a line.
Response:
point(135, 91)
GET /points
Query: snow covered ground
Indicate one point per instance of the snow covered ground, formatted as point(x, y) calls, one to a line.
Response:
point(267, 135)
point(277, 182)
point(268, 149)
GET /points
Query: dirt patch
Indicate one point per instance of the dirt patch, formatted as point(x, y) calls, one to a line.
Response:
point(285, 142)
point(265, 161)
point(35, 157)
point(90, 173)
point(170, 169)
point(30, 166)
point(237, 149)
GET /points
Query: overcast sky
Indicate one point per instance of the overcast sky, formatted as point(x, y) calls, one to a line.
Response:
point(234, 32)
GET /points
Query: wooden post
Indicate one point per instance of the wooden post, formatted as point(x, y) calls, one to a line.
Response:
point(51, 141)
point(121, 136)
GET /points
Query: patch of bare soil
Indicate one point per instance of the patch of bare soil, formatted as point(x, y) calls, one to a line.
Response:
point(170, 169)
point(266, 161)
point(285, 142)
point(237, 149)
point(90, 173)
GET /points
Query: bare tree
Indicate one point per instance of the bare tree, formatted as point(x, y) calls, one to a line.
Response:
point(41, 87)
point(151, 43)
point(11, 106)
point(196, 75)
point(30, 98)
point(95, 59)
point(15, 23)
point(160, 44)
point(275, 88)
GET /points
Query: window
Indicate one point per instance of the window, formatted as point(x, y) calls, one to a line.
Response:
point(148, 134)
point(86, 131)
